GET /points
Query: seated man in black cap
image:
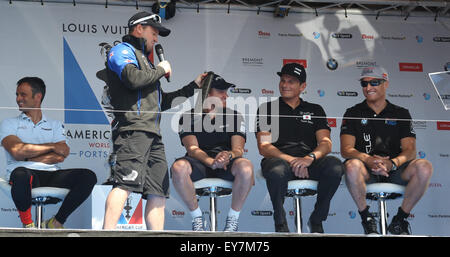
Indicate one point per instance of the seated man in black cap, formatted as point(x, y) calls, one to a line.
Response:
point(294, 138)
point(138, 100)
point(214, 141)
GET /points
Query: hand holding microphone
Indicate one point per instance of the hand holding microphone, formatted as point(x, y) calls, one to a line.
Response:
point(162, 62)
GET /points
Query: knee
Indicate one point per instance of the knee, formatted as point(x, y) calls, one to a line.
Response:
point(277, 170)
point(336, 169)
point(424, 168)
point(19, 174)
point(353, 168)
point(243, 168)
point(89, 177)
point(180, 168)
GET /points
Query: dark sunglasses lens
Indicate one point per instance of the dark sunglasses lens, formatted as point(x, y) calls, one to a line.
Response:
point(373, 83)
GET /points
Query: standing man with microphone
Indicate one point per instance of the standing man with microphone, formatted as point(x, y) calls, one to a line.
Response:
point(138, 100)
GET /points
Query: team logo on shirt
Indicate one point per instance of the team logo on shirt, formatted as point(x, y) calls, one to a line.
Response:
point(364, 121)
point(391, 122)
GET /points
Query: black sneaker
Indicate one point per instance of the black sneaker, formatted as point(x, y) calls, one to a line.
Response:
point(315, 227)
point(399, 227)
point(370, 225)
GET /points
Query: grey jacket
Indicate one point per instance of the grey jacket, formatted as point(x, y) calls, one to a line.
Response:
point(134, 87)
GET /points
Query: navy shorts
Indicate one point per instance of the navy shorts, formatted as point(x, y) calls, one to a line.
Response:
point(201, 171)
point(394, 176)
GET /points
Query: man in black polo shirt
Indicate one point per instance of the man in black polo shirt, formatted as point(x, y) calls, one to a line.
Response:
point(294, 138)
point(379, 143)
point(214, 141)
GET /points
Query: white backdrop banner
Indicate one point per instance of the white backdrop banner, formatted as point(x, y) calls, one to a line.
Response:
point(62, 44)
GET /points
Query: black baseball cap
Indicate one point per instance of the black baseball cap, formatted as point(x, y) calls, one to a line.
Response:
point(149, 19)
point(219, 83)
point(295, 70)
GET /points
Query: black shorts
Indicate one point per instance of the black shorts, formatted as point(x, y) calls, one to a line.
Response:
point(394, 176)
point(141, 165)
point(201, 171)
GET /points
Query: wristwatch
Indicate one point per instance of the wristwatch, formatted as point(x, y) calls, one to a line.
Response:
point(394, 166)
point(230, 156)
point(312, 155)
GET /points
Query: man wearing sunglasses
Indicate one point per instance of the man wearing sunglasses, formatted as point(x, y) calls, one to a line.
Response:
point(379, 144)
point(138, 100)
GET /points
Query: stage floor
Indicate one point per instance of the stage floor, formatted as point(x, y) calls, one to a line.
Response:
point(20, 232)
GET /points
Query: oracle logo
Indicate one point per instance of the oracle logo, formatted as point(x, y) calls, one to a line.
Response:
point(176, 213)
point(414, 67)
point(303, 62)
point(331, 122)
point(443, 125)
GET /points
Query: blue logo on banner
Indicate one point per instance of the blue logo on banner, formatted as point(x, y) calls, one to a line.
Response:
point(78, 94)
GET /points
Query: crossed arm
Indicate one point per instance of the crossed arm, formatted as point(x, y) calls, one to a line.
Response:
point(49, 153)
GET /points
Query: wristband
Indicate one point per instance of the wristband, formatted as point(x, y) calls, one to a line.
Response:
point(312, 155)
point(394, 166)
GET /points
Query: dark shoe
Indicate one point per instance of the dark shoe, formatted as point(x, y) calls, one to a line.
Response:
point(370, 225)
point(283, 228)
point(315, 227)
point(399, 227)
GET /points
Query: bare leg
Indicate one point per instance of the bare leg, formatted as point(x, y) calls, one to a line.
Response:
point(154, 212)
point(181, 172)
point(355, 177)
point(418, 173)
point(242, 171)
point(114, 206)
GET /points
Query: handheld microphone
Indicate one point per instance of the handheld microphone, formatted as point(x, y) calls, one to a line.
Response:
point(160, 53)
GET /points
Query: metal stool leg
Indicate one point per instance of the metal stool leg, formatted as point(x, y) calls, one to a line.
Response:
point(212, 206)
point(39, 215)
point(383, 214)
point(298, 213)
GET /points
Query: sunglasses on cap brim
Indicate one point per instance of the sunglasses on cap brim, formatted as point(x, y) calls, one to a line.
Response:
point(154, 17)
point(373, 82)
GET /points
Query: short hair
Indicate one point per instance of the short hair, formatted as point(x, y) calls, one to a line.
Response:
point(37, 85)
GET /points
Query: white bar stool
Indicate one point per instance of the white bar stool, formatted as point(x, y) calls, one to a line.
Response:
point(213, 187)
point(297, 189)
point(382, 192)
point(40, 196)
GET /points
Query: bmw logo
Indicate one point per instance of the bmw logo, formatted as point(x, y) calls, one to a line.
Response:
point(332, 64)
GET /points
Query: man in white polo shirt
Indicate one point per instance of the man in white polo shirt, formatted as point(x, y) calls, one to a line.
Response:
point(34, 146)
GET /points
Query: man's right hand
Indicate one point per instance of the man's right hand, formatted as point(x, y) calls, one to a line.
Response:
point(167, 68)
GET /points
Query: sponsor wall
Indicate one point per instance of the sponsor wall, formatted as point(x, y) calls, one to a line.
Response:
point(63, 45)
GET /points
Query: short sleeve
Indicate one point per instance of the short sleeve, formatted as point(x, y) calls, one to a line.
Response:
point(348, 125)
point(7, 127)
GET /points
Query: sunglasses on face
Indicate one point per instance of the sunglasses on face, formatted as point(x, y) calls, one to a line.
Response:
point(155, 17)
point(373, 82)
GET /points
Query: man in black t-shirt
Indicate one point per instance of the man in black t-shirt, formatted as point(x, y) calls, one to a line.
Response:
point(214, 141)
point(379, 143)
point(294, 138)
